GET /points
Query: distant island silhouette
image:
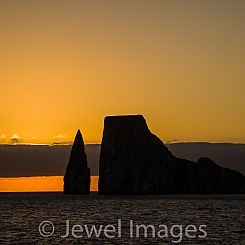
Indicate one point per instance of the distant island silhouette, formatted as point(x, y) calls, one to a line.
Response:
point(135, 161)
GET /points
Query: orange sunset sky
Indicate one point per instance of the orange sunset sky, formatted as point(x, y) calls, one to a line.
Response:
point(66, 64)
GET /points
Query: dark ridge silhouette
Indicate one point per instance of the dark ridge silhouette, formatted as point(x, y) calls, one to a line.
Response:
point(45, 160)
point(77, 175)
point(135, 161)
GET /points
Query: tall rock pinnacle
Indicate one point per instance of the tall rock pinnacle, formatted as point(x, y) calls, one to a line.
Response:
point(77, 175)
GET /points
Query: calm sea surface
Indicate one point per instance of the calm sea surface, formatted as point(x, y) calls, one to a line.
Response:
point(121, 219)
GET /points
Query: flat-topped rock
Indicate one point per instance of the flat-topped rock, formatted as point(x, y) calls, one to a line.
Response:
point(135, 161)
point(132, 159)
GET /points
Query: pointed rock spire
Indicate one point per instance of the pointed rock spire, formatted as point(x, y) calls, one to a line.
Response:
point(77, 175)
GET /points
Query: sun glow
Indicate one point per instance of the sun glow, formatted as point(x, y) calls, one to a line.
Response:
point(65, 65)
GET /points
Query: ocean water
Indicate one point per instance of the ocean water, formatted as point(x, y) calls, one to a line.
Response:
point(155, 219)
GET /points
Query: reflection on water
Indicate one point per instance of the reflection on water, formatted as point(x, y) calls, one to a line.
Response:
point(21, 214)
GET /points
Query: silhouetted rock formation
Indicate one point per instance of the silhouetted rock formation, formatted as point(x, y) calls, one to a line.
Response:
point(77, 175)
point(135, 161)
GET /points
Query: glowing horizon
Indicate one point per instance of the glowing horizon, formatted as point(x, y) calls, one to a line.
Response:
point(38, 184)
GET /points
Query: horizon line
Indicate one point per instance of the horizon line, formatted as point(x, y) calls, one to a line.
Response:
point(165, 143)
